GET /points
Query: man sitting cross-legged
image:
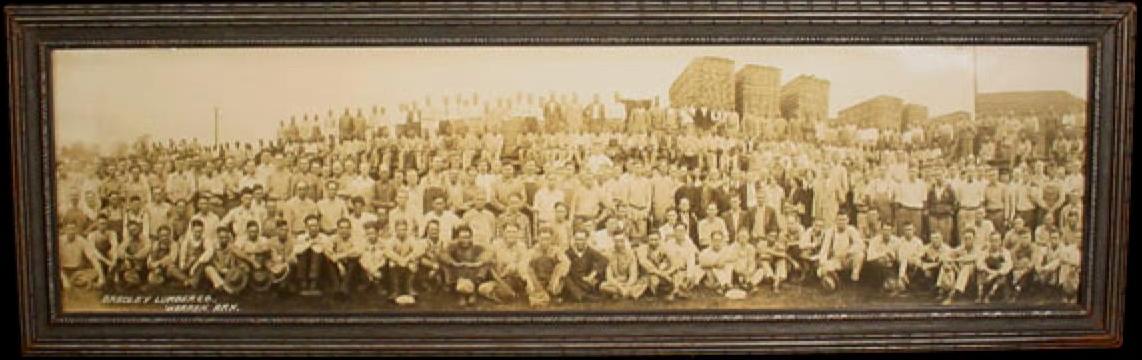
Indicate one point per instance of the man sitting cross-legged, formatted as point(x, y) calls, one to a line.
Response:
point(717, 264)
point(403, 257)
point(658, 271)
point(993, 269)
point(842, 249)
point(467, 262)
point(343, 254)
point(772, 261)
point(228, 269)
point(162, 262)
point(548, 268)
point(622, 279)
point(509, 266)
point(585, 269)
point(372, 258)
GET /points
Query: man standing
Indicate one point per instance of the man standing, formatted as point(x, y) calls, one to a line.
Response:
point(553, 115)
point(709, 225)
point(970, 195)
point(763, 218)
point(278, 183)
point(881, 191)
point(663, 187)
point(546, 198)
point(331, 208)
point(239, 216)
point(299, 207)
point(910, 200)
point(181, 184)
point(735, 218)
point(595, 115)
point(995, 200)
point(446, 218)
point(941, 207)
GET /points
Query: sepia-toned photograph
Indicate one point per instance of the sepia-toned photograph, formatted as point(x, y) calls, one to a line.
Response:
point(387, 179)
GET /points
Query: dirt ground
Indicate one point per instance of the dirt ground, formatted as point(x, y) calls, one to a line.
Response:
point(793, 296)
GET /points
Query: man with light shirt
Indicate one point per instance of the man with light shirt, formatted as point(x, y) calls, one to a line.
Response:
point(710, 225)
point(239, 216)
point(331, 208)
point(909, 197)
point(298, 207)
point(308, 256)
point(970, 197)
point(359, 215)
point(843, 249)
point(546, 198)
point(280, 179)
point(638, 190)
point(445, 217)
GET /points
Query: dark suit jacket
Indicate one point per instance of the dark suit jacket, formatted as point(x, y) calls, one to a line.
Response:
point(771, 220)
point(722, 196)
point(581, 266)
point(945, 205)
point(689, 192)
point(743, 220)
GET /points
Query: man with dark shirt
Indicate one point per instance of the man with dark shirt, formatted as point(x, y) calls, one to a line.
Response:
point(941, 208)
point(468, 263)
point(587, 267)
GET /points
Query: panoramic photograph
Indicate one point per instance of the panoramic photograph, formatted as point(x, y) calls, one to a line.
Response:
point(537, 178)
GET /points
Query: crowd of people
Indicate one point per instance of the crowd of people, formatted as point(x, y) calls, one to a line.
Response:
point(522, 207)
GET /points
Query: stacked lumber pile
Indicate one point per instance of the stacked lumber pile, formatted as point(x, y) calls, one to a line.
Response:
point(706, 81)
point(758, 91)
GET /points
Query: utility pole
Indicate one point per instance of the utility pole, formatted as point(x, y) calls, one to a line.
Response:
point(216, 116)
point(974, 82)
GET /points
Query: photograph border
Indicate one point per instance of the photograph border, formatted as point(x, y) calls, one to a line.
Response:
point(1106, 29)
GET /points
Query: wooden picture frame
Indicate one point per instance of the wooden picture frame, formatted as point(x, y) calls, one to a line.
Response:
point(1106, 29)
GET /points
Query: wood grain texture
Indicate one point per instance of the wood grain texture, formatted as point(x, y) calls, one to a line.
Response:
point(1108, 29)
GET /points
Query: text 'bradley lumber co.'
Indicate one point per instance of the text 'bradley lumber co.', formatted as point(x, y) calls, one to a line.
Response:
point(174, 303)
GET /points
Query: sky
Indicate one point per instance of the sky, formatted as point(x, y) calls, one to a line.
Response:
point(109, 95)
